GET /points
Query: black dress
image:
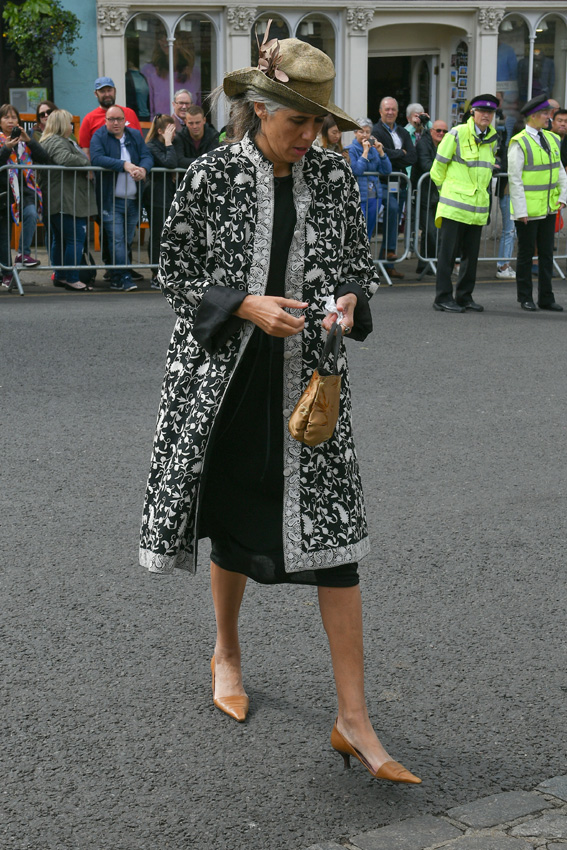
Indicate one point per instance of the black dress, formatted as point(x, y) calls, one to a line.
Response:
point(242, 504)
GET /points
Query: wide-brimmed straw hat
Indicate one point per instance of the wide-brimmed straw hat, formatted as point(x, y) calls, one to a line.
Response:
point(295, 74)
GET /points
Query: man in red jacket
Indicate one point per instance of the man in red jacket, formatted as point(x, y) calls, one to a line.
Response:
point(105, 93)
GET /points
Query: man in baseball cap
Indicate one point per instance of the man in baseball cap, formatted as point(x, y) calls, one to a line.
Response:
point(105, 93)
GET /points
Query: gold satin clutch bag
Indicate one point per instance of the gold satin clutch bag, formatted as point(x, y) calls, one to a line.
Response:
point(316, 413)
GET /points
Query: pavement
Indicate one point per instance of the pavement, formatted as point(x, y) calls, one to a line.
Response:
point(109, 739)
point(513, 820)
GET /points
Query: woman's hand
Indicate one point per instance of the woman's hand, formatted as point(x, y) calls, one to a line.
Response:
point(345, 306)
point(168, 135)
point(24, 136)
point(366, 145)
point(269, 313)
point(11, 143)
point(379, 147)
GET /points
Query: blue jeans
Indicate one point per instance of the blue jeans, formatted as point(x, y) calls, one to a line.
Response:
point(29, 221)
point(119, 224)
point(370, 212)
point(68, 236)
point(506, 246)
point(390, 223)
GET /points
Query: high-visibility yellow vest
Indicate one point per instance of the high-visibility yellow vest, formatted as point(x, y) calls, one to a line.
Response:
point(462, 170)
point(540, 174)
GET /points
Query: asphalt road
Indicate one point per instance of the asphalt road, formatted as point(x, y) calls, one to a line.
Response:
point(109, 739)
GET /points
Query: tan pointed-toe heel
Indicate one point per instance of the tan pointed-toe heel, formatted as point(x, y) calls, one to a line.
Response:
point(392, 770)
point(236, 707)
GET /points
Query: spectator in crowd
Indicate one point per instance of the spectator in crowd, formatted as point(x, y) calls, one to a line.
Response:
point(367, 154)
point(462, 171)
point(401, 153)
point(504, 270)
point(418, 122)
point(559, 127)
point(425, 150)
point(182, 100)
point(186, 71)
point(69, 198)
point(555, 105)
point(330, 136)
point(196, 138)
point(124, 151)
point(42, 113)
point(160, 188)
point(538, 189)
point(105, 93)
point(23, 194)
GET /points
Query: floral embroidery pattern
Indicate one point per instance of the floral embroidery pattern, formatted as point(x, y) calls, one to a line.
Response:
point(210, 244)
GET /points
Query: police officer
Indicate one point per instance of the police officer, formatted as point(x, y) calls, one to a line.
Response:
point(538, 188)
point(462, 171)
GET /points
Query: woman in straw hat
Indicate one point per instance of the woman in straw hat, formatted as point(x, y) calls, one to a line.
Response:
point(261, 233)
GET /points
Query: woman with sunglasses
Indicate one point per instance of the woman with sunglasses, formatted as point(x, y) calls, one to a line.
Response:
point(70, 200)
point(42, 113)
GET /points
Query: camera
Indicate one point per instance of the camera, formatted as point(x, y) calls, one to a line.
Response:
point(372, 140)
point(16, 133)
point(424, 118)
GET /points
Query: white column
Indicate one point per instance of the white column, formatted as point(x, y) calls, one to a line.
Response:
point(486, 63)
point(358, 20)
point(111, 24)
point(240, 20)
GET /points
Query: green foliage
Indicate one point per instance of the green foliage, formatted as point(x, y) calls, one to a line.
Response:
point(36, 30)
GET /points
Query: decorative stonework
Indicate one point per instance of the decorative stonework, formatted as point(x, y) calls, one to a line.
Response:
point(490, 19)
point(358, 19)
point(112, 19)
point(241, 18)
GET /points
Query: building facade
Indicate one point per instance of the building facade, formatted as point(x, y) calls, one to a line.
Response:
point(438, 54)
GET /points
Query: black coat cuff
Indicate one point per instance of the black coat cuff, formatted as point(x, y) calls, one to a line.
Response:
point(362, 315)
point(215, 321)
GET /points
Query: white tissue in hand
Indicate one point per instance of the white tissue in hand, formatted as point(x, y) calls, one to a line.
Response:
point(330, 306)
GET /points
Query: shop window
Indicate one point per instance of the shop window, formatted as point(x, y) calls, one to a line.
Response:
point(549, 59)
point(147, 62)
point(196, 59)
point(278, 29)
point(319, 32)
point(512, 69)
point(142, 35)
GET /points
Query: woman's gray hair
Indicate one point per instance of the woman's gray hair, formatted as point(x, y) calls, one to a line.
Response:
point(243, 118)
point(414, 107)
point(364, 122)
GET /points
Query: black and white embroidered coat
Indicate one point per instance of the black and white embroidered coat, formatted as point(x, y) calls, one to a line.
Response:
point(215, 250)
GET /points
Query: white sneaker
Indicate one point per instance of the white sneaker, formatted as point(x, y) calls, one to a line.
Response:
point(506, 273)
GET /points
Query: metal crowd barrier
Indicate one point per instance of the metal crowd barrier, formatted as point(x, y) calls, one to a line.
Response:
point(401, 207)
point(395, 213)
point(426, 247)
point(148, 208)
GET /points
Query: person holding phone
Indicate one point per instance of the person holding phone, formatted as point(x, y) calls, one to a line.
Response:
point(20, 196)
point(366, 155)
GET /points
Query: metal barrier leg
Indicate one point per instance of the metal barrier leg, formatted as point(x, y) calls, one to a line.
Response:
point(16, 281)
point(384, 271)
point(559, 269)
point(430, 266)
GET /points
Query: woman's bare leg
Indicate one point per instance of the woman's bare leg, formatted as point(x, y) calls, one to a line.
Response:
point(228, 590)
point(341, 612)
